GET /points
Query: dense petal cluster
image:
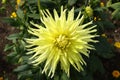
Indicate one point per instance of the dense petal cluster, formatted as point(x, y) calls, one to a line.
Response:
point(116, 73)
point(62, 40)
point(89, 11)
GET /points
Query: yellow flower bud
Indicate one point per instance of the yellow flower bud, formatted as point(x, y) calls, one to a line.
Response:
point(102, 4)
point(104, 35)
point(95, 18)
point(89, 11)
point(3, 1)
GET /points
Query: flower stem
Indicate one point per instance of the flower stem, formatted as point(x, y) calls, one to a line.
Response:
point(39, 8)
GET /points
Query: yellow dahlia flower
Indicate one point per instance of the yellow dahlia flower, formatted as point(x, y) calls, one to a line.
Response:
point(62, 40)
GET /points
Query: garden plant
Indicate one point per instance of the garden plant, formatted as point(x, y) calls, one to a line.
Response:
point(63, 39)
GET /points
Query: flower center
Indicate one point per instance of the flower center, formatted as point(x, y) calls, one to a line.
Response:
point(62, 42)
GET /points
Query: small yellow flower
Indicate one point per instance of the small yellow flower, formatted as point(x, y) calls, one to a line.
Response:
point(62, 40)
point(102, 4)
point(117, 44)
point(116, 73)
point(18, 2)
point(1, 78)
point(13, 15)
point(104, 35)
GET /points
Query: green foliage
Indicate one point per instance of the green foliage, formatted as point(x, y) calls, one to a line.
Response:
point(71, 2)
point(104, 49)
point(95, 65)
point(29, 11)
point(116, 12)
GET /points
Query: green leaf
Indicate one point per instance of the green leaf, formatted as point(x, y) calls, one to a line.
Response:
point(11, 21)
point(77, 10)
point(103, 48)
point(109, 2)
point(48, 4)
point(34, 16)
point(56, 77)
point(25, 75)
point(71, 2)
point(38, 75)
point(115, 5)
point(8, 47)
point(13, 54)
point(116, 14)
point(95, 64)
point(26, 58)
point(108, 25)
point(64, 77)
point(99, 9)
point(88, 77)
point(13, 36)
point(13, 57)
point(20, 13)
point(21, 68)
point(31, 1)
